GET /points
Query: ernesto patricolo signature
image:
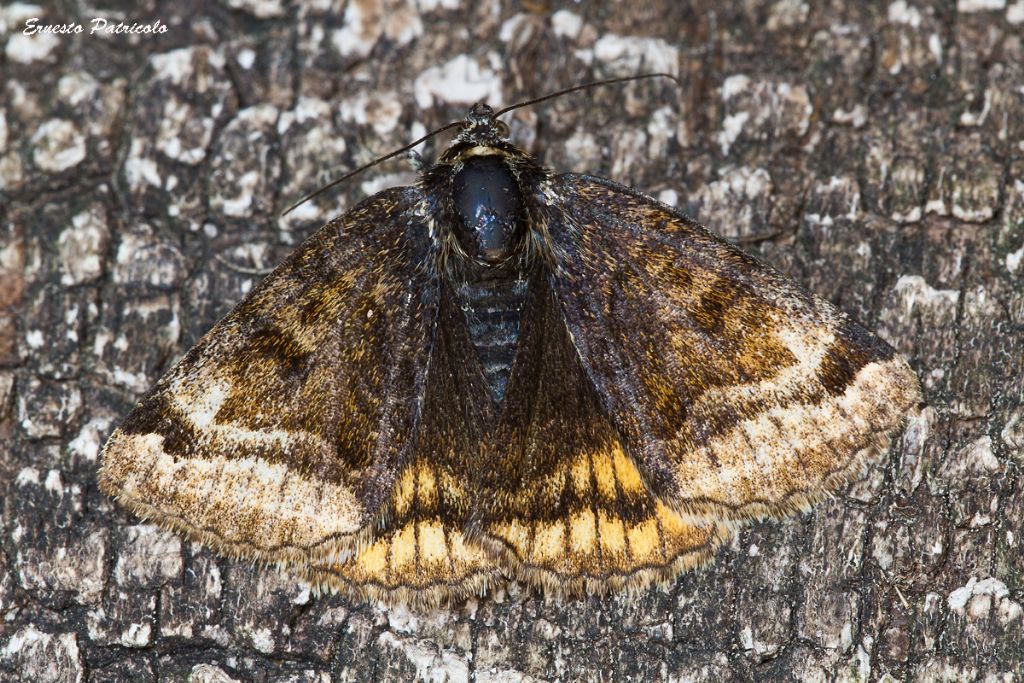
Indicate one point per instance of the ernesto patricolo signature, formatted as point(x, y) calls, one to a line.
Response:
point(93, 26)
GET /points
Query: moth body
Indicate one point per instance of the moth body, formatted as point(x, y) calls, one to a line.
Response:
point(478, 184)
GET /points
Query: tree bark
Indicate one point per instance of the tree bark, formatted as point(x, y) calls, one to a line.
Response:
point(874, 152)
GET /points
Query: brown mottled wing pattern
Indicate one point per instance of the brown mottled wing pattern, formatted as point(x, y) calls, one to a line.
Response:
point(560, 503)
point(539, 485)
point(664, 385)
point(421, 554)
point(737, 394)
point(280, 435)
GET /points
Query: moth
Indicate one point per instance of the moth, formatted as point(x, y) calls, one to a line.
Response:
point(502, 371)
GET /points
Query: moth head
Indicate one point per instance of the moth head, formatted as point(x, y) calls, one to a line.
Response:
point(481, 126)
point(482, 175)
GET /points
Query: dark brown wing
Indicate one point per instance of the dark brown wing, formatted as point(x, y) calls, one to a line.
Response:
point(559, 502)
point(421, 554)
point(737, 393)
point(539, 486)
point(279, 435)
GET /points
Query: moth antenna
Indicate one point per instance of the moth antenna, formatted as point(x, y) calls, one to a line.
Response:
point(373, 163)
point(453, 124)
point(585, 86)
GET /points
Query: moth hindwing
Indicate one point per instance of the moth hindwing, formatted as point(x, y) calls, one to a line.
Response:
point(504, 372)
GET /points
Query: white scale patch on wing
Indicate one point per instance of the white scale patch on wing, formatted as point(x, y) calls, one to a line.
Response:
point(203, 411)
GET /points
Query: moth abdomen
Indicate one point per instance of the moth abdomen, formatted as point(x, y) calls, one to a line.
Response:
point(493, 307)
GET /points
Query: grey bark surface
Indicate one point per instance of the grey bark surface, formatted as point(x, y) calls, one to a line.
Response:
point(880, 147)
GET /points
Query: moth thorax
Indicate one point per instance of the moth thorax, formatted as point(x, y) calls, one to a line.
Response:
point(489, 209)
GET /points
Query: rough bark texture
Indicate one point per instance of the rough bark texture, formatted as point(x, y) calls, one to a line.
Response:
point(879, 146)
